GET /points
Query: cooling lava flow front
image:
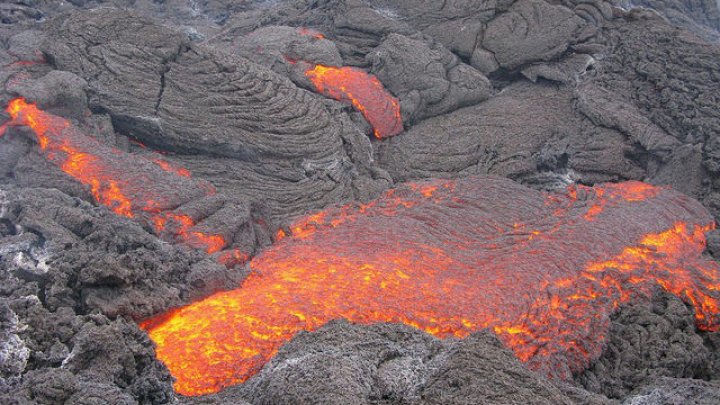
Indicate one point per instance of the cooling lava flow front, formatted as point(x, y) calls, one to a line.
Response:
point(544, 271)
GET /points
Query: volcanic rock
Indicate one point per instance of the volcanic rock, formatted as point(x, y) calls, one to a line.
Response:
point(676, 96)
point(281, 47)
point(647, 343)
point(13, 352)
point(387, 363)
point(74, 358)
point(546, 92)
point(252, 129)
point(428, 81)
point(520, 133)
point(699, 16)
point(676, 391)
point(91, 259)
point(530, 31)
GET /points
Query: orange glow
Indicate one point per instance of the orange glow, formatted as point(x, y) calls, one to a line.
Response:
point(614, 193)
point(180, 171)
point(181, 225)
point(24, 63)
point(39, 61)
point(81, 165)
point(116, 179)
point(450, 258)
point(232, 258)
point(310, 32)
point(213, 243)
point(364, 92)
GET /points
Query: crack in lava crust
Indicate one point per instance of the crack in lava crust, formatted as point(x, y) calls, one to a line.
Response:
point(131, 186)
point(544, 271)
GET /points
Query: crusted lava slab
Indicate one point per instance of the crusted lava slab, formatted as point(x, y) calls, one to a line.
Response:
point(250, 131)
point(544, 271)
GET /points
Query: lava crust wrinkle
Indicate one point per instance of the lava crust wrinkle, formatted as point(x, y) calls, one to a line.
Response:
point(543, 271)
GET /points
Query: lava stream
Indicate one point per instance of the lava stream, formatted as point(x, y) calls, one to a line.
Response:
point(544, 271)
point(364, 92)
point(129, 185)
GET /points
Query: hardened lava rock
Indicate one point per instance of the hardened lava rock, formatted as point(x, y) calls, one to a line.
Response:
point(646, 343)
point(231, 120)
point(386, 363)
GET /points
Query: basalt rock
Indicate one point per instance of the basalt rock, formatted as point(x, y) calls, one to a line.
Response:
point(387, 363)
point(676, 391)
point(90, 259)
point(531, 30)
point(699, 16)
point(528, 132)
point(427, 78)
point(653, 103)
point(79, 359)
point(647, 343)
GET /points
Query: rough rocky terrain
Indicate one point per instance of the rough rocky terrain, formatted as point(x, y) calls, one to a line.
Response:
point(544, 92)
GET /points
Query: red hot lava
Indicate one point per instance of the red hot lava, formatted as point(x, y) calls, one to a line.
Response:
point(129, 185)
point(544, 271)
point(310, 33)
point(364, 92)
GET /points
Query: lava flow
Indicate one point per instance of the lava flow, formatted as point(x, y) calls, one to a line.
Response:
point(129, 185)
point(310, 33)
point(364, 91)
point(544, 271)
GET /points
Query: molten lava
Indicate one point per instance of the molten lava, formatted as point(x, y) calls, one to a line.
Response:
point(544, 271)
point(180, 171)
point(310, 33)
point(129, 185)
point(364, 92)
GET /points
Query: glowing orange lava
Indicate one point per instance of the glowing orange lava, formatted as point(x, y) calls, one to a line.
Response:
point(364, 92)
point(310, 32)
point(129, 185)
point(180, 171)
point(450, 258)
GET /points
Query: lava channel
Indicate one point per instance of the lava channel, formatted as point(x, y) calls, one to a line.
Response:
point(364, 92)
point(147, 190)
point(544, 271)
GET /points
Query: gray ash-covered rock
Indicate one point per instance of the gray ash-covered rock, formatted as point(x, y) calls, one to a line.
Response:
point(489, 35)
point(699, 16)
point(88, 259)
point(54, 354)
point(394, 364)
point(528, 132)
point(428, 79)
point(660, 79)
point(678, 391)
point(647, 343)
point(530, 31)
